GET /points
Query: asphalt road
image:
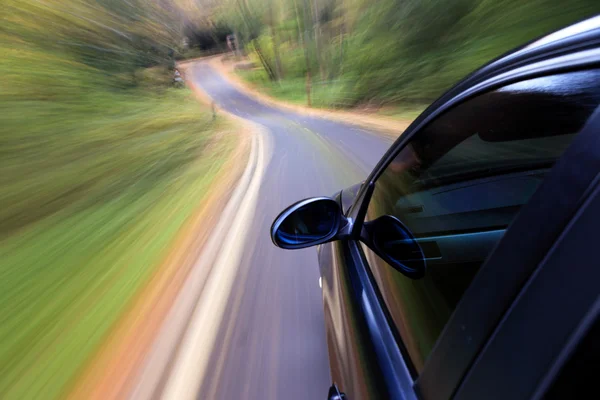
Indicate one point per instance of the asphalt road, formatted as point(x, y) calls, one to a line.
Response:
point(271, 339)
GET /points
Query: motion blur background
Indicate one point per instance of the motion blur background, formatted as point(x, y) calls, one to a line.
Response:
point(103, 157)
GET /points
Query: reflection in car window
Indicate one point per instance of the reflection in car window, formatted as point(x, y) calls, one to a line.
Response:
point(459, 183)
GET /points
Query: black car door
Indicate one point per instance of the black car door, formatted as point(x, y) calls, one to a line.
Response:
point(477, 185)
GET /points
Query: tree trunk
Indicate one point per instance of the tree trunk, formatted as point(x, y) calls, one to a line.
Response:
point(236, 44)
point(317, 34)
point(305, 46)
point(298, 24)
point(244, 12)
point(342, 31)
point(308, 88)
point(264, 62)
point(275, 38)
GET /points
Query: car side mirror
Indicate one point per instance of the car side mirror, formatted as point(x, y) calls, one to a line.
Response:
point(391, 240)
point(308, 223)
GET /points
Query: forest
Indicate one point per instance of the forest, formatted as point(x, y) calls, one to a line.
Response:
point(348, 53)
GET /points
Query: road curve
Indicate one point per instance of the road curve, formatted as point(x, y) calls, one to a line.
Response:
point(269, 342)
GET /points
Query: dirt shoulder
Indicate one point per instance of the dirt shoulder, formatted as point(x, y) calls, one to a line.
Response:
point(387, 126)
point(113, 372)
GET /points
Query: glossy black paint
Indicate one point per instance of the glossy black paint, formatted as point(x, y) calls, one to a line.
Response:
point(307, 223)
point(393, 242)
point(335, 394)
point(346, 279)
point(353, 363)
point(348, 196)
point(365, 360)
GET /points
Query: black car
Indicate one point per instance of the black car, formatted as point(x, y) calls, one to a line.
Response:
point(465, 266)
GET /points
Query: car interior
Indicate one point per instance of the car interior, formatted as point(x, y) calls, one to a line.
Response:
point(462, 180)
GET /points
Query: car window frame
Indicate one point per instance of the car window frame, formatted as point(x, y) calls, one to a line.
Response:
point(578, 61)
point(581, 60)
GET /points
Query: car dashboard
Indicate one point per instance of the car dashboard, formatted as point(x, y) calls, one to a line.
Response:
point(458, 225)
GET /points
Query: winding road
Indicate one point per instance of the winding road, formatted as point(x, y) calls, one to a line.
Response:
point(267, 338)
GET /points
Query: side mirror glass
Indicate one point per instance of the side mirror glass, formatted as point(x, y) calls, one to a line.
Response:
point(307, 223)
point(391, 240)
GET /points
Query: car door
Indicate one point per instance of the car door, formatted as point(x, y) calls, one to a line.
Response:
point(555, 309)
point(478, 184)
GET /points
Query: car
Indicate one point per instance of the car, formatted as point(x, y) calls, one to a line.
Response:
point(465, 265)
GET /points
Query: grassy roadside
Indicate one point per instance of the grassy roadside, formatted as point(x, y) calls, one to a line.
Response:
point(329, 96)
point(96, 183)
point(293, 90)
point(102, 163)
point(387, 122)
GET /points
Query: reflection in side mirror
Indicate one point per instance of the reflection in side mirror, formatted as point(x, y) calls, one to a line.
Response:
point(395, 244)
point(307, 223)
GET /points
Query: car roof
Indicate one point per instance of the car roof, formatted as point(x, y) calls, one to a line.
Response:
point(586, 26)
point(579, 36)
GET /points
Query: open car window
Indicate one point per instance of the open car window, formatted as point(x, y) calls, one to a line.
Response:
point(459, 183)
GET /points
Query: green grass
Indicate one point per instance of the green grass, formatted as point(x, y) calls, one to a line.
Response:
point(407, 112)
point(96, 181)
point(323, 94)
point(66, 275)
point(293, 90)
point(330, 95)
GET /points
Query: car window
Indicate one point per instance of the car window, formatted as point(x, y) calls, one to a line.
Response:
point(459, 183)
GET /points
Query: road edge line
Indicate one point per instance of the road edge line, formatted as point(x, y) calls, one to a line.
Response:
point(386, 127)
point(194, 354)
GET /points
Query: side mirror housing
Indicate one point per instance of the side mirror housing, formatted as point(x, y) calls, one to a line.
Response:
point(391, 240)
point(308, 223)
point(319, 220)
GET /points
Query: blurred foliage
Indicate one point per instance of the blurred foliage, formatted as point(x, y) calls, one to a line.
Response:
point(101, 162)
point(388, 51)
point(110, 35)
point(204, 33)
point(90, 206)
